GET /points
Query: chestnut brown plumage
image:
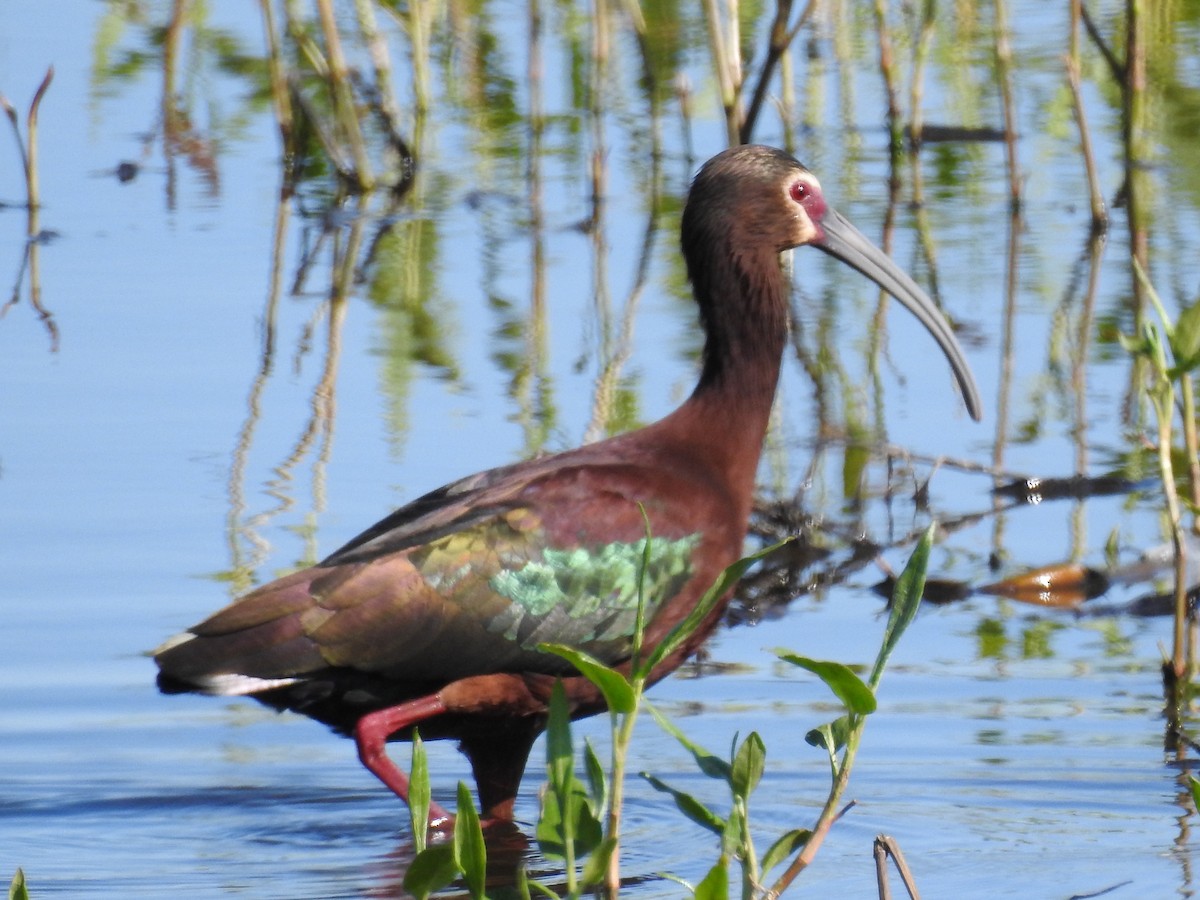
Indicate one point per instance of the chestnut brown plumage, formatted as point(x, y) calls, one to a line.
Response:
point(433, 616)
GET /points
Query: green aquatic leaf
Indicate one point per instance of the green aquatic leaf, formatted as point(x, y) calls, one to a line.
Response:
point(710, 764)
point(733, 837)
point(568, 821)
point(554, 833)
point(617, 691)
point(840, 678)
point(715, 885)
point(787, 844)
point(431, 870)
point(748, 764)
point(906, 598)
point(832, 736)
point(560, 751)
point(597, 777)
point(419, 793)
point(689, 805)
point(17, 890)
point(470, 855)
point(595, 870)
point(1185, 340)
point(569, 825)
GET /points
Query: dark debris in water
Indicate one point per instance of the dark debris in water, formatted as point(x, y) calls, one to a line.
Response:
point(938, 134)
point(1034, 490)
point(938, 591)
point(1154, 605)
point(824, 552)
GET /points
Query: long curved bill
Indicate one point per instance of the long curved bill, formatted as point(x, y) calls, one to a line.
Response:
point(843, 241)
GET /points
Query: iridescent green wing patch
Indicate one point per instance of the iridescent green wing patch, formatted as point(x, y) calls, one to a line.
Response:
point(587, 597)
point(502, 575)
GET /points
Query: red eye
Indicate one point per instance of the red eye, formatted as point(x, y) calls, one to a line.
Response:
point(799, 191)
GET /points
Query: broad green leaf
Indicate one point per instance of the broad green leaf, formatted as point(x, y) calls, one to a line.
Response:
point(849, 688)
point(748, 765)
point(470, 855)
point(569, 819)
point(715, 885)
point(568, 816)
point(676, 637)
point(733, 836)
point(832, 736)
point(906, 598)
point(1185, 342)
point(597, 777)
point(550, 831)
point(710, 765)
point(689, 806)
point(17, 890)
point(595, 870)
point(1193, 783)
point(560, 753)
point(823, 736)
point(431, 870)
point(783, 848)
point(418, 793)
point(617, 691)
point(589, 831)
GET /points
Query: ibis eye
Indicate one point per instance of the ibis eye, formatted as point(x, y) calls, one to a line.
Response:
point(799, 191)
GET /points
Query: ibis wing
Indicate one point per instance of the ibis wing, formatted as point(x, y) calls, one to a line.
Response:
point(459, 583)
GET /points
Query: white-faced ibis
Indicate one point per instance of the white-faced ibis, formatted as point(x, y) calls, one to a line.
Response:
point(433, 617)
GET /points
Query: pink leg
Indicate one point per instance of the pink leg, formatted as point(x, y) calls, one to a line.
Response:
point(371, 734)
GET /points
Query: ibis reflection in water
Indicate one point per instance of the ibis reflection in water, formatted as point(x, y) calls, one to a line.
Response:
point(433, 616)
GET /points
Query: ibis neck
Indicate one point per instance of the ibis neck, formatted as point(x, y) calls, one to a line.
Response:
point(743, 306)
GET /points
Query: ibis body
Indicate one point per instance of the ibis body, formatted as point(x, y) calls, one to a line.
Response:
point(433, 617)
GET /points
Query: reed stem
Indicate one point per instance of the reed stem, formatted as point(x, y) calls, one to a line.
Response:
point(1095, 195)
point(343, 97)
point(1008, 105)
